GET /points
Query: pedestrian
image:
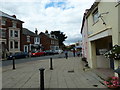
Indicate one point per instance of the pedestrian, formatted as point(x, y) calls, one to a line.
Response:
point(74, 52)
point(66, 54)
point(78, 53)
point(29, 53)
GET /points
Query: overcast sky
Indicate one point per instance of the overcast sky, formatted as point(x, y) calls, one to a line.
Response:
point(51, 15)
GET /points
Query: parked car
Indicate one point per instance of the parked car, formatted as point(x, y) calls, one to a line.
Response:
point(18, 55)
point(49, 52)
point(38, 53)
point(58, 51)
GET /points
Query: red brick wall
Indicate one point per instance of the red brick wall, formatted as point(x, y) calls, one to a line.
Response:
point(24, 41)
point(45, 41)
point(7, 25)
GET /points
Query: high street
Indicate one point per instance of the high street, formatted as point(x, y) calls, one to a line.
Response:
point(17, 61)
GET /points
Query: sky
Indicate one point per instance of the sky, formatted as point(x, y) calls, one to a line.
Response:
point(51, 15)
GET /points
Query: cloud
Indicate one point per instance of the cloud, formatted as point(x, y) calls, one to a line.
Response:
point(63, 15)
point(72, 40)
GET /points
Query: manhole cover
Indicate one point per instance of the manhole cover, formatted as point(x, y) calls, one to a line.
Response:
point(71, 71)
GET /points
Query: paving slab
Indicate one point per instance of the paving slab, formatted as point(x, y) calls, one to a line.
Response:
point(66, 73)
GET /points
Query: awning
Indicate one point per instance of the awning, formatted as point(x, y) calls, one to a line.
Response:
point(102, 34)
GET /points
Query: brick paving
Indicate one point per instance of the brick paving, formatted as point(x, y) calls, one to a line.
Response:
point(66, 73)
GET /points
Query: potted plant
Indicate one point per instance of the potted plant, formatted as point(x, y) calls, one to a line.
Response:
point(114, 53)
point(112, 82)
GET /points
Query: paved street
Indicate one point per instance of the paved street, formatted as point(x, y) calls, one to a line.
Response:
point(23, 60)
point(66, 73)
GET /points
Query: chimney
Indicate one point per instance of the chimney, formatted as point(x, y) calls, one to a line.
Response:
point(36, 31)
point(14, 16)
point(46, 31)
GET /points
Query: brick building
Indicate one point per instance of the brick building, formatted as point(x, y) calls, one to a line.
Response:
point(48, 41)
point(30, 41)
point(10, 28)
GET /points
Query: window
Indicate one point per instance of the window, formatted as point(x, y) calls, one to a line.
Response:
point(3, 22)
point(11, 44)
point(16, 44)
point(14, 24)
point(16, 33)
point(3, 33)
point(11, 33)
point(95, 16)
point(37, 39)
point(28, 38)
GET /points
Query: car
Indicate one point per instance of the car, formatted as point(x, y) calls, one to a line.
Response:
point(18, 55)
point(59, 51)
point(38, 53)
point(49, 52)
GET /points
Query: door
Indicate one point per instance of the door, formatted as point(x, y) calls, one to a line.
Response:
point(25, 48)
point(112, 64)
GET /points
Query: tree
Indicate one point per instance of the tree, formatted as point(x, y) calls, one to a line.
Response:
point(60, 36)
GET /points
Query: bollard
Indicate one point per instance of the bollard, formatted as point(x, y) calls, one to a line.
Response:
point(13, 63)
point(51, 67)
point(41, 78)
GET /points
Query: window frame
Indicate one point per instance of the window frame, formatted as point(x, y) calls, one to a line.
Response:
point(11, 44)
point(95, 15)
point(15, 33)
point(14, 24)
point(3, 22)
point(11, 33)
point(28, 38)
point(3, 34)
point(15, 44)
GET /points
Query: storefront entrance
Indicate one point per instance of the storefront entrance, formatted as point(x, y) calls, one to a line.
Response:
point(102, 46)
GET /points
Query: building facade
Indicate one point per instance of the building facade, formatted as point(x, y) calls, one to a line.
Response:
point(10, 32)
point(30, 41)
point(84, 32)
point(103, 33)
point(48, 41)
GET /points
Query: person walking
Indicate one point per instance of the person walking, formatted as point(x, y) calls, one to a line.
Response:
point(78, 53)
point(74, 52)
point(66, 54)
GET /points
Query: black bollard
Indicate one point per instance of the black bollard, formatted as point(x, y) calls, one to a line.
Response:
point(13, 63)
point(41, 78)
point(51, 67)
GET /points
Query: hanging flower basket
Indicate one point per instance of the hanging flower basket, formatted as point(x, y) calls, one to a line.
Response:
point(114, 53)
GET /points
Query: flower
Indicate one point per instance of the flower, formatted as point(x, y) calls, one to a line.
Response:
point(114, 53)
point(112, 82)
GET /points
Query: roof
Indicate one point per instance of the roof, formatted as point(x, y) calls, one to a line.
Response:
point(2, 14)
point(48, 35)
point(25, 31)
point(92, 7)
point(88, 12)
point(84, 16)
